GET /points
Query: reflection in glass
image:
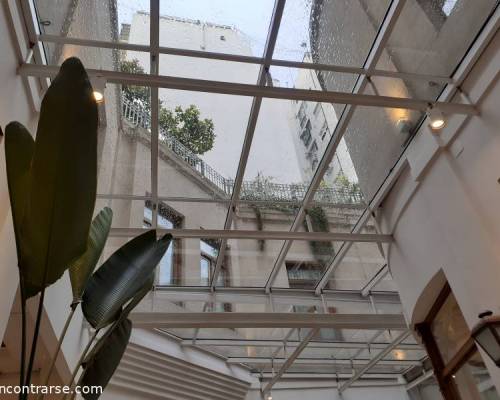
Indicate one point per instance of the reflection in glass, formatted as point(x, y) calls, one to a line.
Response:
point(473, 380)
point(449, 328)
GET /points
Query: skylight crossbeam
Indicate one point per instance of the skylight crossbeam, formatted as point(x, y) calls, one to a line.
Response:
point(243, 59)
point(168, 320)
point(323, 361)
point(417, 381)
point(249, 90)
point(268, 235)
point(282, 297)
point(375, 279)
point(155, 104)
point(288, 363)
point(294, 343)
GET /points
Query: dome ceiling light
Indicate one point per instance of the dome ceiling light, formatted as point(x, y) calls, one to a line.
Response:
point(98, 86)
point(436, 119)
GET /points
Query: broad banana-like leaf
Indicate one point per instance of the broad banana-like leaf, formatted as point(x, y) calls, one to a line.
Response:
point(81, 269)
point(123, 314)
point(139, 295)
point(118, 280)
point(19, 148)
point(99, 369)
point(62, 184)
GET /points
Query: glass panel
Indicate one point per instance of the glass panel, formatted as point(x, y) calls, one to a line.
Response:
point(124, 141)
point(360, 264)
point(375, 139)
point(249, 262)
point(222, 26)
point(126, 213)
point(432, 36)
point(473, 380)
point(197, 213)
point(335, 32)
point(285, 152)
point(94, 20)
point(201, 136)
point(202, 68)
point(449, 328)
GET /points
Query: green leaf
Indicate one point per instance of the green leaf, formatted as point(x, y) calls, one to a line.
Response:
point(123, 314)
point(19, 148)
point(118, 280)
point(63, 180)
point(139, 295)
point(81, 269)
point(100, 368)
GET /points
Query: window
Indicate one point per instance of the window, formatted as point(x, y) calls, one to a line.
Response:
point(303, 274)
point(302, 112)
point(209, 251)
point(305, 136)
point(325, 131)
point(317, 109)
point(208, 259)
point(312, 155)
point(458, 366)
point(170, 264)
point(314, 149)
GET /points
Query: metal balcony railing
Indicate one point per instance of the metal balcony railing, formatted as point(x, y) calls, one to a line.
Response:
point(251, 190)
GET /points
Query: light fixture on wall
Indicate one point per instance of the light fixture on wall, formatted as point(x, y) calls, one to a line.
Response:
point(98, 85)
point(436, 119)
point(487, 335)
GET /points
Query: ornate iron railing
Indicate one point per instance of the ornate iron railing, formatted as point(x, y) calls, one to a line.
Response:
point(250, 190)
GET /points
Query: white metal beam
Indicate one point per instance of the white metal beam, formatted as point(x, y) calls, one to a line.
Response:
point(242, 89)
point(375, 279)
point(376, 360)
point(293, 344)
point(281, 297)
point(269, 235)
point(154, 35)
point(243, 59)
point(329, 376)
point(422, 378)
point(266, 320)
point(289, 361)
point(321, 361)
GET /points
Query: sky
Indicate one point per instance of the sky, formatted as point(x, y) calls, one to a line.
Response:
point(252, 17)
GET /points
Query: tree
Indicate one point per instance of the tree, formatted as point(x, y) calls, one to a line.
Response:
point(188, 128)
point(135, 94)
point(185, 125)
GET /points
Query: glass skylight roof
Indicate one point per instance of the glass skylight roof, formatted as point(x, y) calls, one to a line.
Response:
point(258, 216)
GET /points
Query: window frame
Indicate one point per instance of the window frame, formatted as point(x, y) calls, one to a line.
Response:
point(444, 371)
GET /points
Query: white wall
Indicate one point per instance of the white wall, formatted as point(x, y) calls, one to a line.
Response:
point(443, 211)
point(14, 105)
